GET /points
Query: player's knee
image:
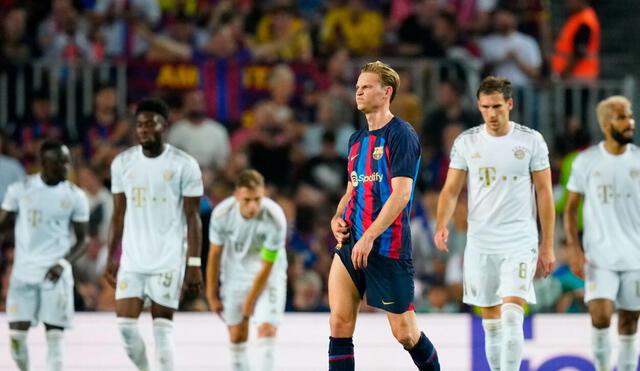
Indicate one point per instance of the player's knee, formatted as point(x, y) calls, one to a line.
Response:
point(341, 325)
point(627, 322)
point(405, 337)
point(266, 330)
point(238, 335)
point(600, 320)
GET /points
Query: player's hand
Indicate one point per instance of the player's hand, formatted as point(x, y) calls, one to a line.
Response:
point(54, 273)
point(340, 229)
point(193, 282)
point(111, 273)
point(546, 260)
point(215, 304)
point(440, 238)
point(577, 261)
point(247, 308)
point(360, 252)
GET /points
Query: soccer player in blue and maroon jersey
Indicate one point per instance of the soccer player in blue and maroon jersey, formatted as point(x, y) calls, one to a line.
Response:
point(371, 226)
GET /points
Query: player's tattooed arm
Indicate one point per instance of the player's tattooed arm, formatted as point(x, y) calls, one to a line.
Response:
point(115, 236)
point(193, 276)
point(81, 230)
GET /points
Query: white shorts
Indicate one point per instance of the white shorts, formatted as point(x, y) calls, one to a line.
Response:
point(488, 278)
point(621, 287)
point(161, 288)
point(44, 301)
point(269, 306)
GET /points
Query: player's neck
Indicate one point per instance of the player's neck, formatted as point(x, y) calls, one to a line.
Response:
point(49, 180)
point(154, 151)
point(378, 119)
point(499, 132)
point(613, 147)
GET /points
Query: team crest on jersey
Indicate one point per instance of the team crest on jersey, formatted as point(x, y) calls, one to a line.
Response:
point(123, 285)
point(476, 155)
point(635, 173)
point(377, 152)
point(167, 175)
point(65, 204)
point(519, 152)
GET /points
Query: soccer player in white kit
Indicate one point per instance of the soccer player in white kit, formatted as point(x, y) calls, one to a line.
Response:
point(607, 176)
point(43, 206)
point(156, 191)
point(247, 268)
point(502, 163)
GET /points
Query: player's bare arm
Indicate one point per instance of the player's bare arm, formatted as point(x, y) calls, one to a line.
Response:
point(213, 278)
point(193, 275)
point(576, 255)
point(7, 222)
point(81, 231)
point(397, 201)
point(547, 215)
point(115, 236)
point(339, 226)
point(259, 282)
point(447, 202)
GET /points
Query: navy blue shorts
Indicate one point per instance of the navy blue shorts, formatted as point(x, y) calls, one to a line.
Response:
point(387, 282)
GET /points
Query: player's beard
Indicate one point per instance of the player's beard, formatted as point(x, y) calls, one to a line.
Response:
point(619, 136)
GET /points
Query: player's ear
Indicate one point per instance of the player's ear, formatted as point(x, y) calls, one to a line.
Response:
point(510, 104)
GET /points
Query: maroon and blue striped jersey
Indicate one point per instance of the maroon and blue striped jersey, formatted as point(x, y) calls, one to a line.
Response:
point(375, 157)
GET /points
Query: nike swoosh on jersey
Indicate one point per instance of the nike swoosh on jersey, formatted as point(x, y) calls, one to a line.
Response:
point(354, 157)
point(388, 302)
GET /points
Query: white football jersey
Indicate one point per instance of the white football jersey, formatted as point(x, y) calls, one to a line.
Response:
point(242, 239)
point(43, 224)
point(502, 204)
point(155, 228)
point(611, 188)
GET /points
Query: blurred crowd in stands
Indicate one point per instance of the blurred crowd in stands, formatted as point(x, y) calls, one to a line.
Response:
point(298, 141)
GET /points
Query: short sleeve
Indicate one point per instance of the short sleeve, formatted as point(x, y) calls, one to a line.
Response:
point(191, 184)
point(576, 181)
point(116, 176)
point(216, 236)
point(278, 234)
point(11, 197)
point(539, 155)
point(81, 208)
point(404, 153)
point(458, 160)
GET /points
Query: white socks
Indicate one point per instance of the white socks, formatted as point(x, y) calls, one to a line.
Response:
point(601, 348)
point(165, 346)
point(266, 353)
point(133, 343)
point(19, 350)
point(512, 337)
point(55, 350)
point(239, 359)
point(627, 356)
point(492, 342)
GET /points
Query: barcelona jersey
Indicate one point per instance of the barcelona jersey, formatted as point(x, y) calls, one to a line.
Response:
point(375, 157)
